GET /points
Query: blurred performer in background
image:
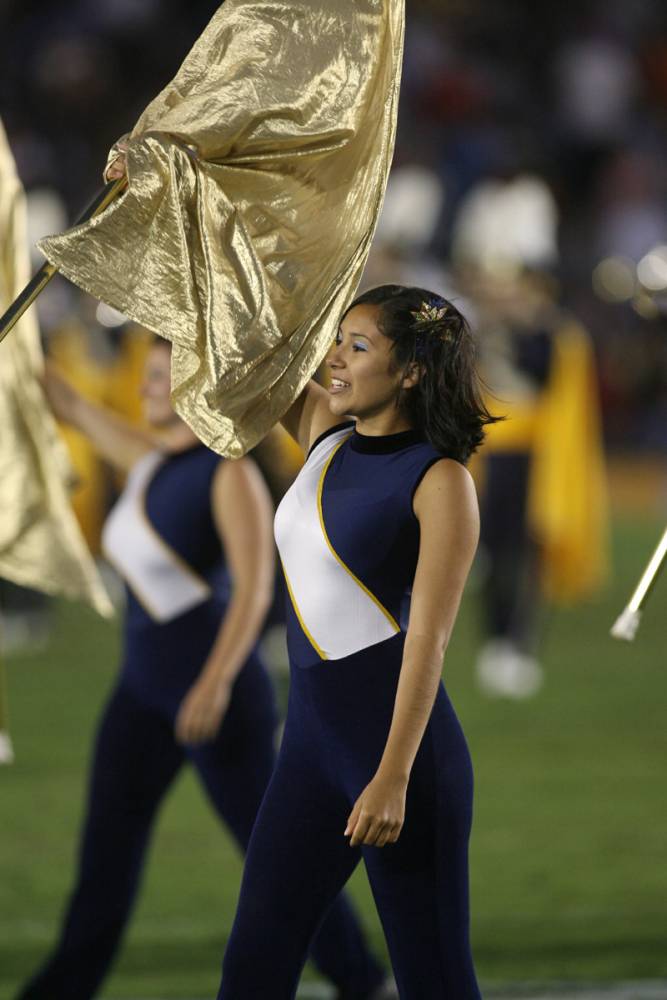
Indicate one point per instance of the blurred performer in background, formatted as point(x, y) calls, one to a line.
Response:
point(543, 495)
point(191, 537)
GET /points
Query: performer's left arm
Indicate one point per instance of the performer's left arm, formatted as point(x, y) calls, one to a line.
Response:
point(445, 505)
point(243, 514)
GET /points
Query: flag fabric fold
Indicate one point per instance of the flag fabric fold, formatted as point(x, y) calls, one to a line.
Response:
point(256, 179)
point(41, 545)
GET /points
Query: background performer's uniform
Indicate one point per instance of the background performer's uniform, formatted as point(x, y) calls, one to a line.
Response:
point(136, 756)
point(349, 542)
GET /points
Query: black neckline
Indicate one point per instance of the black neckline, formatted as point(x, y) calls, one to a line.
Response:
point(328, 432)
point(383, 444)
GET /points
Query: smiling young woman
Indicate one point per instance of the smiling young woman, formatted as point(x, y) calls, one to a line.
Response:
point(373, 762)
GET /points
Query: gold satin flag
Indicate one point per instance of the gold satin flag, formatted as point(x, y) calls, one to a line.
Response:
point(41, 545)
point(256, 180)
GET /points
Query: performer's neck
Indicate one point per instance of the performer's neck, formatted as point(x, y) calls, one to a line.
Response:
point(382, 424)
point(176, 436)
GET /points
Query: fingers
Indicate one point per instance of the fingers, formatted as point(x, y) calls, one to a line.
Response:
point(361, 830)
point(383, 837)
point(389, 835)
point(117, 168)
point(377, 817)
point(195, 726)
point(201, 713)
point(353, 818)
point(183, 729)
point(375, 829)
point(373, 832)
point(193, 732)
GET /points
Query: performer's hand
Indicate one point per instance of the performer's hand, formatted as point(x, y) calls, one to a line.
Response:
point(202, 710)
point(378, 814)
point(118, 167)
point(62, 396)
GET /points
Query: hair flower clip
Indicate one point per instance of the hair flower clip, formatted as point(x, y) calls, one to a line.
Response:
point(430, 312)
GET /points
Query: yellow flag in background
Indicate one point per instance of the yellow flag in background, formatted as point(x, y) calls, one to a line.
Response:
point(255, 183)
point(41, 545)
point(568, 504)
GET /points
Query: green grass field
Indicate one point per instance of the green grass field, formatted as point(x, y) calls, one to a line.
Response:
point(569, 879)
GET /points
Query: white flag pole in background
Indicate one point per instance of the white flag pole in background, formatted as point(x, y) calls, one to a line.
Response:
point(627, 623)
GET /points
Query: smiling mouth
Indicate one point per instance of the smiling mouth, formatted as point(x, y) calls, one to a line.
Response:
point(337, 385)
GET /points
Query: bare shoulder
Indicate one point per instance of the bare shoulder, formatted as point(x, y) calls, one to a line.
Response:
point(447, 485)
point(235, 474)
point(239, 495)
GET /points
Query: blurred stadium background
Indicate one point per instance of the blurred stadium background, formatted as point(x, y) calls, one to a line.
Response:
point(530, 182)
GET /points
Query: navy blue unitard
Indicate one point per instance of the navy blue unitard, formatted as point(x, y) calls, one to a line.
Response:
point(348, 540)
point(163, 537)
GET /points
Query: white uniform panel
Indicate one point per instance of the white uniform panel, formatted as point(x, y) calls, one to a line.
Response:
point(162, 581)
point(339, 616)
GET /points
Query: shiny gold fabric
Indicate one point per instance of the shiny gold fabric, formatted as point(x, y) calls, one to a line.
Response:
point(256, 179)
point(41, 545)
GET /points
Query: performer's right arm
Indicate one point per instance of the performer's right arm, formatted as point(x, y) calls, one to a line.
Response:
point(309, 416)
point(118, 442)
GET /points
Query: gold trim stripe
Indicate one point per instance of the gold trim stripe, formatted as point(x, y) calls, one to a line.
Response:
point(320, 488)
point(320, 652)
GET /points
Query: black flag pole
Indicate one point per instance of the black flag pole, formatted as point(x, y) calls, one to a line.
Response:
point(39, 281)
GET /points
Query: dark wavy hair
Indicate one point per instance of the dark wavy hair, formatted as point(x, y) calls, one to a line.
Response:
point(428, 331)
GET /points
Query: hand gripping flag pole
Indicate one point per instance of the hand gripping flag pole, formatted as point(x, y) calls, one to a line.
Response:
point(38, 283)
point(627, 623)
